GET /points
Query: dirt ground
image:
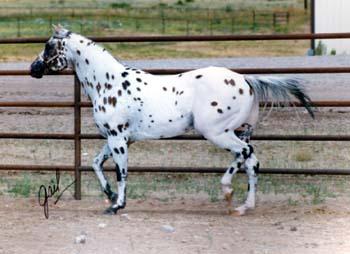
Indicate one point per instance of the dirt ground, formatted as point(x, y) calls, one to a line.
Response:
point(278, 224)
point(199, 227)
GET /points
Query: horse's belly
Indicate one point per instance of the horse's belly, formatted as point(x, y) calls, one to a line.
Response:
point(163, 129)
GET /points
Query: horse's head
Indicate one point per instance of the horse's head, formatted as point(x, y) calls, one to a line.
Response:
point(54, 56)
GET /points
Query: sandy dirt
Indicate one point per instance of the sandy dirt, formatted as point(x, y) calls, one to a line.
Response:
point(199, 227)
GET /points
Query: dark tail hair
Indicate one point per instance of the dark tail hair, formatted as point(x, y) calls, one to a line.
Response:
point(280, 89)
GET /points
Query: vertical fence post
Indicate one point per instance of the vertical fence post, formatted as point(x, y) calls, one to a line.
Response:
point(77, 141)
point(254, 20)
point(211, 25)
point(232, 25)
point(18, 27)
point(163, 24)
point(50, 24)
point(187, 27)
point(81, 24)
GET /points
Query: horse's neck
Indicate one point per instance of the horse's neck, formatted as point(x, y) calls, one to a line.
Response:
point(92, 64)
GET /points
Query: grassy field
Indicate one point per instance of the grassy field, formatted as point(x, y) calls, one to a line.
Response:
point(222, 18)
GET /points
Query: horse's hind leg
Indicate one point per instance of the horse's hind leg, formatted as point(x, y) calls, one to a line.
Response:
point(229, 141)
point(252, 168)
point(97, 166)
point(226, 180)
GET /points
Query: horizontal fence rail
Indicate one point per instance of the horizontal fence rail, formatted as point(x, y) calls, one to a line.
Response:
point(208, 170)
point(65, 136)
point(86, 104)
point(77, 104)
point(309, 70)
point(176, 38)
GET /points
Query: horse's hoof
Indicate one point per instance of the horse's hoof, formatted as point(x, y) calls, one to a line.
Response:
point(240, 211)
point(235, 213)
point(110, 211)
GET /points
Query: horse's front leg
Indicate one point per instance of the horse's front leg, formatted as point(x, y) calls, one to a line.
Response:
point(98, 168)
point(119, 149)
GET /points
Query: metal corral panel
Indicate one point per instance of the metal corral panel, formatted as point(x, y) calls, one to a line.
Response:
point(333, 17)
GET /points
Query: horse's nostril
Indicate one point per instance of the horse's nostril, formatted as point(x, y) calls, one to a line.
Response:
point(37, 69)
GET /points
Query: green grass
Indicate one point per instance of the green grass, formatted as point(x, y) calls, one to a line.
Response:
point(305, 190)
point(22, 187)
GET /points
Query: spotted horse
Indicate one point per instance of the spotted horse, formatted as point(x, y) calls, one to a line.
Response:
point(130, 105)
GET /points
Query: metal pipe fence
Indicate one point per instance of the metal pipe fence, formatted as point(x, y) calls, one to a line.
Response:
point(77, 105)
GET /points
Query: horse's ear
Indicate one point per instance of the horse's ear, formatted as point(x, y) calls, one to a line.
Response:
point(59, 31)
point(54, 28)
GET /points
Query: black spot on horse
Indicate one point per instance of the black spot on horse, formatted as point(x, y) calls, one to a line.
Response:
point(108, 86)
point(86, 61)
point(214, 103)
point(78, 52)
point(220, 111)
point(116, 150)
point(164, 88)
point(98, 88)
point(106, 125)
point(138, 89)
point(125, 84)
point(107, 75)
point(138, 80)
point(122, 150)
point(120, 128)
point(124, 74)
point(113, 101)
point(256, 168)
point(113, 133)
point(119, 92)
point(199, 76)
point(231, 170)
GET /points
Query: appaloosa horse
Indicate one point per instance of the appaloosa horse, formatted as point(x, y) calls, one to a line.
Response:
point(130, 105)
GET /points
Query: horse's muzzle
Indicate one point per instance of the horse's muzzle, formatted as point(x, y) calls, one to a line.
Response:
point(37, 68)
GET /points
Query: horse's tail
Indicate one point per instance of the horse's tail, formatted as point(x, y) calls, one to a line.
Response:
point(280, 89)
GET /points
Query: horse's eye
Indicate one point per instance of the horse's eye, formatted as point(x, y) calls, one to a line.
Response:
point(49, 50)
